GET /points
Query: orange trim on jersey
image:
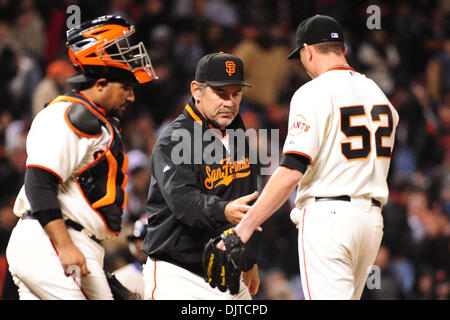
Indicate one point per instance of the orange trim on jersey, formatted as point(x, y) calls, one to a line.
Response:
point(355, 159)
point(73, 99)
point(124, 170)
point(98, 213)
point(94, 111)
point(64, 98)
point(92, 102)
point(125, 199)
point(154, 280)
point(110, 195)
point(46, 169)
point(111, 130)
point(383, 137)
point(109, 145)
point(199, 120)
point(125, 180)
point(341, 68)
point(193, 114)
point(299, 153)
point(304, 256)
point(78, 132)
point(78, 284)
point(357, 136)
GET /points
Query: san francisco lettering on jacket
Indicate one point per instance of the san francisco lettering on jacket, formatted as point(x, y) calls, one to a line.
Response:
point(225, 174)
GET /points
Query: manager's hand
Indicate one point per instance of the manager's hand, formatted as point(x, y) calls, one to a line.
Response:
point(235, 210)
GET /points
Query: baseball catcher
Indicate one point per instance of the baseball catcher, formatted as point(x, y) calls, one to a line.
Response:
point(74, 191)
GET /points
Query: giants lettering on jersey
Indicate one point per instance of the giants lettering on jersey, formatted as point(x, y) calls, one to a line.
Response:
point(299, 125)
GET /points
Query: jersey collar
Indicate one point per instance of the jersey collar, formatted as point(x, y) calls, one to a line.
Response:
point(198, 117)
point(191, 111)
point(87, 99)
point(194, 113)
point(341, 68)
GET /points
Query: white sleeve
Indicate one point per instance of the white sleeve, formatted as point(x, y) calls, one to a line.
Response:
point(303, 128)
point(52, 145)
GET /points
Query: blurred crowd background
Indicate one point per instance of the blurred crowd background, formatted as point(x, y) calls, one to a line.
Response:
point(409, 57)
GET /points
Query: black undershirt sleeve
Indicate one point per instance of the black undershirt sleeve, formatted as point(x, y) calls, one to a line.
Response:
point(41, 188)
point(295, 161)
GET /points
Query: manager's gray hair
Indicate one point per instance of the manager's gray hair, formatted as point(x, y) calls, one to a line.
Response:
point(202, 86)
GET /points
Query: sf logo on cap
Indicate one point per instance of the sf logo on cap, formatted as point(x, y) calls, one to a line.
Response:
point(230, 67)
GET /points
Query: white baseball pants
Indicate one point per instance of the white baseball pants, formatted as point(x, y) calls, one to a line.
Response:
point(166, 281)
point(338, 243)
point(37, 270)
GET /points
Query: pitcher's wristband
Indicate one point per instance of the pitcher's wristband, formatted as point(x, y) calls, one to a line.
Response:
point(295, 161)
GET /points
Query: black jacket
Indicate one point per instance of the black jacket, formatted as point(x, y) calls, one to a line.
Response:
point(186, 200)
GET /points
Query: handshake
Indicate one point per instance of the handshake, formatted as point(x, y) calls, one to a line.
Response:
point(222, 268)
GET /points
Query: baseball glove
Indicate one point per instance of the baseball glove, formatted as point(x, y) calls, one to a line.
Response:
point(223, 269)
point(118, 290)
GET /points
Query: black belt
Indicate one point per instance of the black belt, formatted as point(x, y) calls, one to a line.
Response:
point(78, 227)
point(375, 202)
point(69, 223)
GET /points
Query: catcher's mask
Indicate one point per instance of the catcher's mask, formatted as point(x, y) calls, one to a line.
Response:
point(102, 48)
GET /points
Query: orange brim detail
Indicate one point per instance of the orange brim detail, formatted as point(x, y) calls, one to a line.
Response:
point(142, 76)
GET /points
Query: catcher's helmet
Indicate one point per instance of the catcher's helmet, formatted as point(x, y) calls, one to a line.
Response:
point(101, 48)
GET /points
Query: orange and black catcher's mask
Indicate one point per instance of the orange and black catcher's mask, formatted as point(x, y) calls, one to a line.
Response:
point(102, 48)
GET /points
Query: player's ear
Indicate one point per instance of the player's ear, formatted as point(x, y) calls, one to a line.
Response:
point(312, 52)
point(195, 90)
point(308, 51)
point(101, 83)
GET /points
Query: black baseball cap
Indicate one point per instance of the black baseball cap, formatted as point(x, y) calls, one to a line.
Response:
point(221, 69)
point(317, 29)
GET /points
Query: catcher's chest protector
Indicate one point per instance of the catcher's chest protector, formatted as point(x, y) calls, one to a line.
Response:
point(103, 181)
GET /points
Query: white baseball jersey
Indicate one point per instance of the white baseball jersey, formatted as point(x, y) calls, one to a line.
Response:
point(54, 146)
point(345, 125)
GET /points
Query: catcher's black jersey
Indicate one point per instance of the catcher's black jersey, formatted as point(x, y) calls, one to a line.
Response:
point(188, 192)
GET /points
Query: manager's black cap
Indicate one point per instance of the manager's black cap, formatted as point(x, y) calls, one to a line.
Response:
point(317, 29)
point(221, 69)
